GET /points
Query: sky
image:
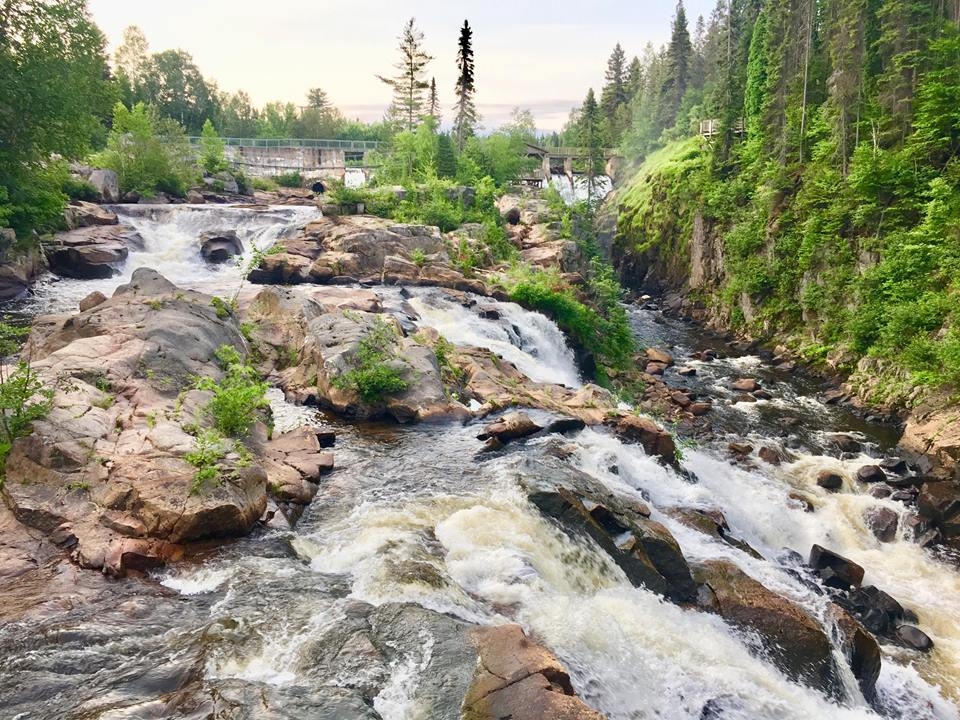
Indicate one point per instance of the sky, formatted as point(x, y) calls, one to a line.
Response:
point(532, 54)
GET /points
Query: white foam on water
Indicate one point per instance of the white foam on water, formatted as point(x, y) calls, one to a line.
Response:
point(529, 340)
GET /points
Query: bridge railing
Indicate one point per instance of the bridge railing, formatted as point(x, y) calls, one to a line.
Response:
point(357, 145)
point(576, 152)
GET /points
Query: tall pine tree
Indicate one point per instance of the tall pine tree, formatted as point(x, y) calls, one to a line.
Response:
point(407, 108)
point(591, 138)
point(677, 71)
point(434, 103)
point(464, 125)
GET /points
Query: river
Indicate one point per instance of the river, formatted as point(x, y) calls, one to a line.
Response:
point(413, 529)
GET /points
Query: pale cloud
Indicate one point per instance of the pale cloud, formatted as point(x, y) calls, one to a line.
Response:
point(536, 55)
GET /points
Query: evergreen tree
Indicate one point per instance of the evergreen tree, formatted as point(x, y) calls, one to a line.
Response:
point(446, 158)
point(677, 70)
point(407, 108)
point(591, 139)
point(317, 100)
point(434, 103)
point(464, 125)
point(615, 90)
point(634, 78)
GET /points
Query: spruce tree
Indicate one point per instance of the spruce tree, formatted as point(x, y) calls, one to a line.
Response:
point(677, 75)
point(446, 158)
point(434, 103)
point(615, 90)
point(634, 78)
point(407, 108)
point(464, 125)
point(591, 138)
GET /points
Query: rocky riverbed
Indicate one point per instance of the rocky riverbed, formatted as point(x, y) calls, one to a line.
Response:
point(498, 538)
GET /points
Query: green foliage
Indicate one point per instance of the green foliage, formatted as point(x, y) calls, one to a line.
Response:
point(289, 180)
point(224, 309)
point(213, 155)
point(606, 334)
point(149, 154)
point(263, 184)
point(373, 372)
point(78, 189)
point(208, 452)
point(453, 376)
point(239, 397)
point(418, 257)
point(23, 396)
point(54, 87)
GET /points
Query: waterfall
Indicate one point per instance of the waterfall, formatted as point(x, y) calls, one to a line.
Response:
point(528, 339)
point(171, 247)
point(354, 178)
point(577, 189)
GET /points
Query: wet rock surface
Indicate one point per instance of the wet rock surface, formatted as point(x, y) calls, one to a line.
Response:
point(794, 640)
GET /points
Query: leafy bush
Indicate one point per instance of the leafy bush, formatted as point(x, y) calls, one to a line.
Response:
point(239, 397)
point(290, 180)
point(607, 336)
point(371, 374)
point(78, 189)
point(23, 397)
point(149, 154)
point(209, 450)
point(213, 155)
point(263, 184)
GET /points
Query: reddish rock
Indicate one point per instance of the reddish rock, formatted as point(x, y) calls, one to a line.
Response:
point(835, 570)
point(871, 474)
point(740, 448)
point(770, 455)
point(655, 441)
point(745, 385)
point(659, 356)
point(700, 409)
point(516, 678)
point(512, 426)
point(829, 480)
point(883, 523)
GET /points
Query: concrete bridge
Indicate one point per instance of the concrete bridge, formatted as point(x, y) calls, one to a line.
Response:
point(560, 160)
point(269, 157)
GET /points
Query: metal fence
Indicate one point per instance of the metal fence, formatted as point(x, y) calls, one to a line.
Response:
point(359, 145)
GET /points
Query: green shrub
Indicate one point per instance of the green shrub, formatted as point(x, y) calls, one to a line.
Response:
point(23, 397)
point(208, 451)
point(371, 374)
point(149, 154)
point(78, 189)
point(239, 397)
point(213, 155)
point(263, 184)
point(290, 180)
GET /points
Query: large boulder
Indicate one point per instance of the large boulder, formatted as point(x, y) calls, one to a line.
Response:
point(644, 549)
point(835, 570)
point(793, 640)
point(19, 266)
point(518, 679)
point(80, 214)
point(939, 503)
point(106, 468)
point(655, 440)
point(218, 247)
point(859, 649)
point(107, 185)
point(92, 252)
point(512, 426)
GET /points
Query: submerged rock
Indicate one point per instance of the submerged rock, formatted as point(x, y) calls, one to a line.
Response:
point(859, 648)
point(512, 426)
point(218, 247)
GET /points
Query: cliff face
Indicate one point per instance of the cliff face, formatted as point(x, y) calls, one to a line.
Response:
point(760, 258)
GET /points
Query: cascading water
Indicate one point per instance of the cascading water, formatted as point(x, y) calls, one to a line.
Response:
point(354, 178)
point(577, 188)
point(527, 339)
point(171, 235)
